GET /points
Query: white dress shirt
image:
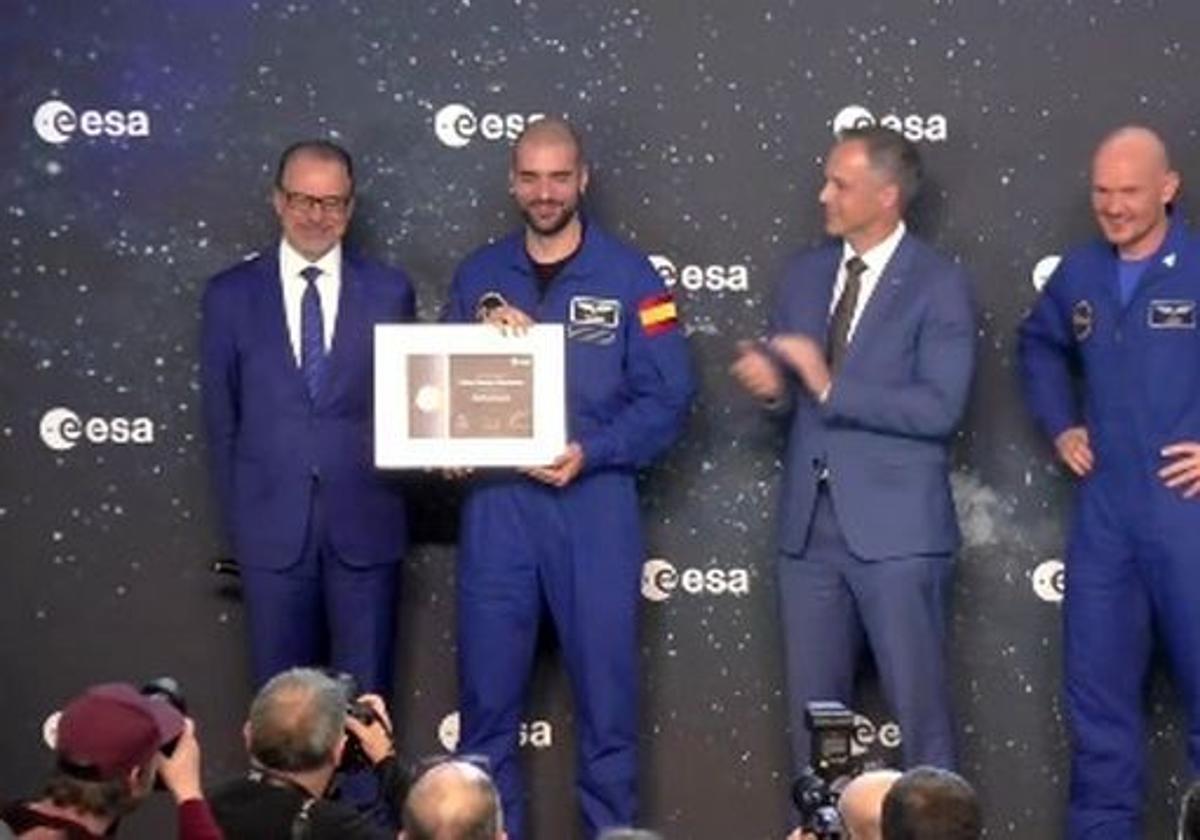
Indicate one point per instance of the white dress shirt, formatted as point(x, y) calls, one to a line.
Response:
point(329, 286)
point(876, 259)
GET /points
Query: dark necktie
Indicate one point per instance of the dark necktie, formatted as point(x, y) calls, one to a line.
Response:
point(312, 332)
point(843, 313)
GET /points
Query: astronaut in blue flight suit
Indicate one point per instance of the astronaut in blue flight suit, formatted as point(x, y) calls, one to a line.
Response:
point(566, 538)
point(1119, 318)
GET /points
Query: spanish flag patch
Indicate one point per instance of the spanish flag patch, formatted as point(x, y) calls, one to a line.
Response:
point(658, 314)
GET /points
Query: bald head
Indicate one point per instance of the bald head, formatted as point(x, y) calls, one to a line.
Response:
point(1138, 142)
point(549, 131)
point(453, 801)
point(861, 803)
point(1132, 186)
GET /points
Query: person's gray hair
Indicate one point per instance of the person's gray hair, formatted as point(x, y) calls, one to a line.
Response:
point(892, 155)
point(296, 720)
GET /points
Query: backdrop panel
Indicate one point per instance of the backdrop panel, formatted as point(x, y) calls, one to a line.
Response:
point(139, 141)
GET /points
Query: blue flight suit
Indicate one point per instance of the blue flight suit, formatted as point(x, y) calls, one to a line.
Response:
point(577, 551)
point(1132, 552)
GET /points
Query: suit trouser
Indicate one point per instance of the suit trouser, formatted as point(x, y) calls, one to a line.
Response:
point(322, 611)
point(526, 551)
point(834, 603)
point(1128, 579)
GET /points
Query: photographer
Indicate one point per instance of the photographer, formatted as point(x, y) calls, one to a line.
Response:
point(113, 742)
point(301, 726)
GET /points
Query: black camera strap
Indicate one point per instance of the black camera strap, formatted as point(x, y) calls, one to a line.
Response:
point(302, 822)
point(301, 827)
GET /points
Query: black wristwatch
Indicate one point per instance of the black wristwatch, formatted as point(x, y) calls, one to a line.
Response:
point(489, 303)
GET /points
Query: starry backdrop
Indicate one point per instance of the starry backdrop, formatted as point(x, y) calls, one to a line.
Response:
point(139, 140)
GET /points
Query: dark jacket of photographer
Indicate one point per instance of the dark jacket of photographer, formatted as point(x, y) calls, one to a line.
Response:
point(262, 807)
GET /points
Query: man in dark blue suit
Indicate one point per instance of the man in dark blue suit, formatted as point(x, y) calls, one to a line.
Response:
point(870, 360)
point(287, 377)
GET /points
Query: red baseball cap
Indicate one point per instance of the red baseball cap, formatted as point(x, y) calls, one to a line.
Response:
point(112, 728)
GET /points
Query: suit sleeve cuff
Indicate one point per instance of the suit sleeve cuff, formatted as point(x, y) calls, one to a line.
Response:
point(597, 450)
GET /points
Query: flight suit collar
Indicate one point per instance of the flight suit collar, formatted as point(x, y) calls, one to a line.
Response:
point(585, 259)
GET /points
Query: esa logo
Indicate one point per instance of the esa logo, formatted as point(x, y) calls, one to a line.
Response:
point(660, 580)
point(534, 734)
point(50, 729)
point(57, 122)
point(701, 278)
point(1043, 270)
point(867, 735)
point(1049, 580)
point(62, 429)
point(456, 125)
point(931, 128)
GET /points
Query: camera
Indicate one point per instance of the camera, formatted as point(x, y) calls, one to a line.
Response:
point(353, 756)
point(165, 690)
point(816, 791)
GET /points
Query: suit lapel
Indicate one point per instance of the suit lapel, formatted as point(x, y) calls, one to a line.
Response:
point(272, 319)
point(826, 274)
point(348, 324)
point(891, 281)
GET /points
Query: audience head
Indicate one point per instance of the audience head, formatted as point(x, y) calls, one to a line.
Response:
point(107, 749)
point(298, 722)
point(453, 800)
point(927, 803)
point(861, 803)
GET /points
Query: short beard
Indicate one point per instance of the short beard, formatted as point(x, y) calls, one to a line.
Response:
point(556, 227)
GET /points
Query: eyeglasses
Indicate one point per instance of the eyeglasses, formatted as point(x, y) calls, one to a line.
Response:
point(299, 201)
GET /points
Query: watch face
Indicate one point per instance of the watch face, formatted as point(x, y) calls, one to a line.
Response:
point(488, 302)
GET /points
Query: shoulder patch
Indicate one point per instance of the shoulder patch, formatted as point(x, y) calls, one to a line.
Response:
point(658, 313)
point(1083, 318)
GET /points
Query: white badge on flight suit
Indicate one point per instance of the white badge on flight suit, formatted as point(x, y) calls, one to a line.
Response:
point(594, 319)
point(1171, 315)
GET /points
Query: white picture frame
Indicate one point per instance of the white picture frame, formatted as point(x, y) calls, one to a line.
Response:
point(442, 401)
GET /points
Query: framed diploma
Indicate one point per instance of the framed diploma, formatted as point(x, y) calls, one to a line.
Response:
point(466, 395)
